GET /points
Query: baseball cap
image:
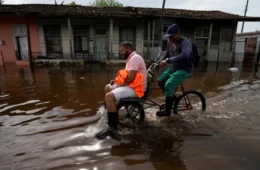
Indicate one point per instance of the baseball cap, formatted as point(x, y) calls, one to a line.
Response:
point(172, 29)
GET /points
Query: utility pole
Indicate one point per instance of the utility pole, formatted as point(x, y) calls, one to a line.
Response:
point(244, 16)
point(161, 27)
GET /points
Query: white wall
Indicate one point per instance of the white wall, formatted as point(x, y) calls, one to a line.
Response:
point(139, 39)
point(115, 49)
point(240, 46)
point(65, 40)
point(212, 55)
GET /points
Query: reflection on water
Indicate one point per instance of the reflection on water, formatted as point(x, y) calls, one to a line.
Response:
point(48, 120)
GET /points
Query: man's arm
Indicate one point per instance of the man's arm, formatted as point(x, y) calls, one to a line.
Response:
point(185, 52)
point(130, 77)
point(166, 55)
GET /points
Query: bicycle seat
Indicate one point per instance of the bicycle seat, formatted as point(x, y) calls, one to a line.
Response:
point(136, 99)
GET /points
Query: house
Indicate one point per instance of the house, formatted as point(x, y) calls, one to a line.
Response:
point(94, 33)
point(14, 37)
point(248, 45)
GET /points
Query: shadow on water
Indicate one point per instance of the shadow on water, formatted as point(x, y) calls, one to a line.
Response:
point(48, 118)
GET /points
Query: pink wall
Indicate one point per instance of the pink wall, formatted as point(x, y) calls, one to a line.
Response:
point(6, 34)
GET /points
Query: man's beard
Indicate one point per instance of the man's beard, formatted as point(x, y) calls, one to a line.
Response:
point(127, 54)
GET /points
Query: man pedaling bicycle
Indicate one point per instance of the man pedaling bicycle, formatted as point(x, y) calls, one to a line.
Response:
point(178, 55)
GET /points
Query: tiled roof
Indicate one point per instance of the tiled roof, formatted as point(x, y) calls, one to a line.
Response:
point(61, 10)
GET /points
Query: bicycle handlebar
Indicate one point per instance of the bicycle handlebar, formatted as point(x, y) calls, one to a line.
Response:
point(151, 68)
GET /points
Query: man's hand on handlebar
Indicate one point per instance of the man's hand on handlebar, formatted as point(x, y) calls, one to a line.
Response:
point(163, 63)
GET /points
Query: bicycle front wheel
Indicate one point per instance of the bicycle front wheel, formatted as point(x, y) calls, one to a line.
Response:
point(192, 102)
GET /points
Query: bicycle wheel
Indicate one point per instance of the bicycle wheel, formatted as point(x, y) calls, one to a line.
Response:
point(131, 110)
point(190, 102)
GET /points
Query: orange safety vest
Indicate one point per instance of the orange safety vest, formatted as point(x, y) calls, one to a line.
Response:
point(137, 84)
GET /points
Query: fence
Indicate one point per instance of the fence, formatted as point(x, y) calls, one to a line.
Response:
point(230, 57)
point(86, 56)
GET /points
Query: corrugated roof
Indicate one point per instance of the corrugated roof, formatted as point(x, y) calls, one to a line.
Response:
point(61, 10)
point(256, 33)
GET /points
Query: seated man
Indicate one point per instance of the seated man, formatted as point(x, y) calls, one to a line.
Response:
point(179, 56)
point(134, 64)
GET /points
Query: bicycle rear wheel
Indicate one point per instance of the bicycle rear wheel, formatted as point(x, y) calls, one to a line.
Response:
point(131, 110)
point(192, 102)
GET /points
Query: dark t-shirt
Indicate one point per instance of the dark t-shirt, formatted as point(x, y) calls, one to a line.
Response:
point(179, 55)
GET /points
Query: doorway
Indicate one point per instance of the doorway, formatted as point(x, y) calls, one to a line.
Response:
point(22, 45)
point(202, 46)
point(127, 34)
point(101, 46)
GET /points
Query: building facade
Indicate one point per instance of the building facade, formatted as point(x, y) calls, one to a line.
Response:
point(248, 45)
point(94, 33)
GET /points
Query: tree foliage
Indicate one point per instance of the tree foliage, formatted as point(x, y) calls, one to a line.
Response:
point(110, 3)
point(73, 3)
point(1, 2)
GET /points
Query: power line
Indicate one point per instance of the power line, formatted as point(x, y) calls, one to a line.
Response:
point(131, 1)
point(155, 3)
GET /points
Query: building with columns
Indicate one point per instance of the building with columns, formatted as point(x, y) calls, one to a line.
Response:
point(94, 33)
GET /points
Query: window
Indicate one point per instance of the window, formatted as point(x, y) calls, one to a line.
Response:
point(164, 39)
point(127, 34)
point(19, 29)
point(215, 37)
point(164, 45)
point(165, 28)
point(156, 39)
point(226, 34)
point(101, 31)
point(81, 39)
point(226, 39)
point(52, 38)
point(202, 32)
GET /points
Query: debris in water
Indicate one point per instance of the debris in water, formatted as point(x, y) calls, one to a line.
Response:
point(255, 86)
point(4, 95)
point(233, 69)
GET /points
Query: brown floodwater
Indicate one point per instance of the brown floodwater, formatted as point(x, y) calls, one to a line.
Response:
point(49, 116)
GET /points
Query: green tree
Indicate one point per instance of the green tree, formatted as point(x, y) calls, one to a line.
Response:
point(111, 3)
point(73, 3)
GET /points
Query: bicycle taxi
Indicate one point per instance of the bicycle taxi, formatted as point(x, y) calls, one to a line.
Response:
point(134, 108)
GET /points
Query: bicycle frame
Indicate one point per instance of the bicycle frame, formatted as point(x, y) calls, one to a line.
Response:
point(151, 103)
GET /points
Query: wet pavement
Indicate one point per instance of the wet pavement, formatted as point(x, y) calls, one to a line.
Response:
point(48, 119)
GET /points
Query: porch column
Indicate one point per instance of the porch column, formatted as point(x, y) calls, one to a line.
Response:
point(209, 40)
point(29, 40)
point(233, 58)
point(71, 46)
point(111, 39)
point(153, 39)
point(234, 37)
point(149, 39)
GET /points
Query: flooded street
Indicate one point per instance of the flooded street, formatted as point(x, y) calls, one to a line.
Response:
point(49, 116)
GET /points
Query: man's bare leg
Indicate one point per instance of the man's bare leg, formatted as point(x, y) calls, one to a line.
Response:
point(110, 102)
point(107, 89)
point(112, 114)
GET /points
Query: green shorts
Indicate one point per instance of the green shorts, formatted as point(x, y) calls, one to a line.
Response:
point(170, 80)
